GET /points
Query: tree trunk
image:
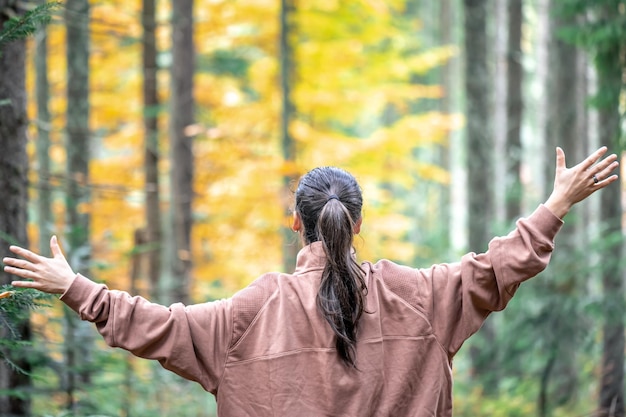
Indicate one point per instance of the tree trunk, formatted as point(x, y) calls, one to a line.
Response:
point(480, 144)
point(13, 200)
point(562, 97)
point(500, 48)
point(79, 335)
point(181, 126)
point(514, 111)
point(44, 204)
point(611, 398)
point(558, 112)
point(287, 70)
point(545, 167)
point(151, 148)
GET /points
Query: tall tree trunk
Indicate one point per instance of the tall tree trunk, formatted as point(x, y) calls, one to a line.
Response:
point(151, 148)
point(136, 262)
point(447, 20)
point(480, 162)
point(561, 95)
point(541, 113)
point(181, 135)
point(44, 205)
point(611, 398)
point(13, 199)
point(562, 98)
point(500, 47)
point(287, 71)
point(79, 335)
point(514, 110)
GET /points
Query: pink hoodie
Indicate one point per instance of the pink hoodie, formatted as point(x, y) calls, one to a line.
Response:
point(268, 352)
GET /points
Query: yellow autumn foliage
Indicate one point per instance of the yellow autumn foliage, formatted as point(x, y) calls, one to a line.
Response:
point(355, 61)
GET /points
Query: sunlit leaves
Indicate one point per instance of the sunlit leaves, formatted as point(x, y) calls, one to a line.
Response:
point(354, 95)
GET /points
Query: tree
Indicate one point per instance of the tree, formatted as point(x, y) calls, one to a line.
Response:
point(181, 143)
point(610, 68)
point(44, 205)
point(288, 146)
point(514, 110)
point(558, 373)
point(601, 31)
point(479, 142)
point(13, 200)
point(79, 335)
point(151, 147)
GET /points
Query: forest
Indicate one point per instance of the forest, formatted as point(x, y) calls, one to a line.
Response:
point(162, 142)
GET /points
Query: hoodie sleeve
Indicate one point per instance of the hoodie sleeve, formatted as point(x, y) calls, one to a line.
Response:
point(464, 294)
point(191, 341)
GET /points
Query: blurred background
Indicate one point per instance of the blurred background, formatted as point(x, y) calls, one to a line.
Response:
point(162, 142)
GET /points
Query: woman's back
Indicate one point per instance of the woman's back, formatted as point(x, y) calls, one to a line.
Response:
point(285, 362)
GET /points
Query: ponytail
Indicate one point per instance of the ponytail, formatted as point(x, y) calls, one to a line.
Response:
point(329, 202)
point(341, 296)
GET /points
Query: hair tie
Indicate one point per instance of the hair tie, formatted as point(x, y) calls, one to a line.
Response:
point(332, 197)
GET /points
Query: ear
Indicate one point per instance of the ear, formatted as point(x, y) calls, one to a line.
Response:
point(357, 226)
point(297, 223)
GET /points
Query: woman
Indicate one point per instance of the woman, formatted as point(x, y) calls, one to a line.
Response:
point(335, 338)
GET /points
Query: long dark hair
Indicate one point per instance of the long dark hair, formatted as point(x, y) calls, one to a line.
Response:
point(329, 202)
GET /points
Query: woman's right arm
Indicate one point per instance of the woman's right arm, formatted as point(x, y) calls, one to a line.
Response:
point(191, 341)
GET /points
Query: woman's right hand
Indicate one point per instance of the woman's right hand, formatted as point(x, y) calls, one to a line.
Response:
point(52, 275)
point(572, 185)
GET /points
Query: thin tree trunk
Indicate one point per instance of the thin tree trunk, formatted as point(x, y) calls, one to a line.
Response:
point(44, 205)
point(541, 113)
point(543, 404)
point(151, 148)
point(560, 128)
point(480, 144)
point(500, 47)
point(514, 111)
point(138, 255)
point(446, 35)
point(479, 124)
point(611, 398)
point(181, 136)
point(287, 70)
point(13, 199)
point(561, 96)
point(79, 337)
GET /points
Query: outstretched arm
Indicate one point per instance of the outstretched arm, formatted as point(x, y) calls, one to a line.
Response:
point(52, 275)
point(191, 341)
point(465, 293)
point(572, 185)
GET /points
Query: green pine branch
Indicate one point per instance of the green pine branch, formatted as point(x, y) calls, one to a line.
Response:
point(22, 27)
point(16, 305)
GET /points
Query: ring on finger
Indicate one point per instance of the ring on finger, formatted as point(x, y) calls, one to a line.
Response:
point(595, 179)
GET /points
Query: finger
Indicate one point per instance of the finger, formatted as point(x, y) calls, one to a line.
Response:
point(24, 273)
point(606, 181)
point(605, 170)
point(610, 162)
point(54, 247)
point(24, 253)
point(24, 284)
point(591, 159)
point(560, 158)
point(18, 263)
